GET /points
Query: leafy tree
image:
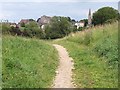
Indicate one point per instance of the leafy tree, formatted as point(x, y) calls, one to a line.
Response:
point(104, 14)
point(22, 24)
point(69, 19)
point(73, 20)
point(33, 30)
point(58, 27)
point(31, 20)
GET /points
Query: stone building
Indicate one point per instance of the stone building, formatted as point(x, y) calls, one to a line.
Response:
point(43, 21)
point(89, 19)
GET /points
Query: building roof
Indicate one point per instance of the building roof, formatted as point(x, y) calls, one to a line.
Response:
point(44, 20)
point(24, 21)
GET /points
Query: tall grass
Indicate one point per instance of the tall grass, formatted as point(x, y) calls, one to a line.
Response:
point(27, 63)
point(95, 54)
point(0, 56)
point(0, 62)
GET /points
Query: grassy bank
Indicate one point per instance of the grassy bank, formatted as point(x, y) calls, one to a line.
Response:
point(27, 63)
point(0, 62)
point(95, 54)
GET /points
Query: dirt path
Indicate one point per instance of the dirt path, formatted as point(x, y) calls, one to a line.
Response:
point(63, 77)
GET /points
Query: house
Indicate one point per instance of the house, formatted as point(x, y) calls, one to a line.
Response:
point(25, 21)
point(43, 21)
point(80, 24)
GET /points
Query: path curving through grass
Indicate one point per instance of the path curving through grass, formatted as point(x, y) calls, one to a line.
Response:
point(63, 77)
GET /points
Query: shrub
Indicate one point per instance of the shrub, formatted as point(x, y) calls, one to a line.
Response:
point(22, 24)
point(6, 28)
point(107, 48)
point(33, 30)
point(15, 31)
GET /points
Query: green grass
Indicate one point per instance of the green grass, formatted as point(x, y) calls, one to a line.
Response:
point(27, 63)
point(0, 62)
point(95, 56)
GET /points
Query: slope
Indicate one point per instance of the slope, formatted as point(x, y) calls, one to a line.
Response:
point(95, 55)
point(27, 63)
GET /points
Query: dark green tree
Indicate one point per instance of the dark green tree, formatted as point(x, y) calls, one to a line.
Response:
point(58, 27)
point(31, 20)
point(22, 24)
point(32, 29)
point(103, 14)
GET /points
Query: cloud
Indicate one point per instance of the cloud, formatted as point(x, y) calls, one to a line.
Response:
point(75, 10)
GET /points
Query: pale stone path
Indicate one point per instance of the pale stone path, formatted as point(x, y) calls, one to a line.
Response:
point(63, 77)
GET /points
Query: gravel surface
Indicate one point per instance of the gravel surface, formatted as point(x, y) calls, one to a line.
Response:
point(63, 77)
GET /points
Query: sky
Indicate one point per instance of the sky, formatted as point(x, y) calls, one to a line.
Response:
point(15, 10)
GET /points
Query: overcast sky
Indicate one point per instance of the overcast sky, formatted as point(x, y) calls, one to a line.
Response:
point(15, 10)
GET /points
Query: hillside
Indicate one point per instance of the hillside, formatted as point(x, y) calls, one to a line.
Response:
point(27, 63)
point(95, 54)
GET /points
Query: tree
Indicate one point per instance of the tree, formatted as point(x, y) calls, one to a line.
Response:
point(31, 20)
point(69, 19)
point(32, 29)
point(22, 24)
point(58, 27)
point(73, 20)
point(104, 14)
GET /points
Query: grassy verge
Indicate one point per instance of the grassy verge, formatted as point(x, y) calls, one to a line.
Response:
point(27, 63)
point(95, 56)
point(0, 62)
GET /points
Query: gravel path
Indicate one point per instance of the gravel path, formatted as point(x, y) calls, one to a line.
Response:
point(63, 77)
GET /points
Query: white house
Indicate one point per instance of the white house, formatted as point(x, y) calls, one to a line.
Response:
point(80, 24)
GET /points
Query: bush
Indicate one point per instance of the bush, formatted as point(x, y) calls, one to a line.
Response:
point(15, 31)
point(80, 28)
point(6, 28)
point(22, 24)
point(108, 48)
point(33, 30)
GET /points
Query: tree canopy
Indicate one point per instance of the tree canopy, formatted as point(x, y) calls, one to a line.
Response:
point(58, 27)
point(32, 29)
point(104, 14)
